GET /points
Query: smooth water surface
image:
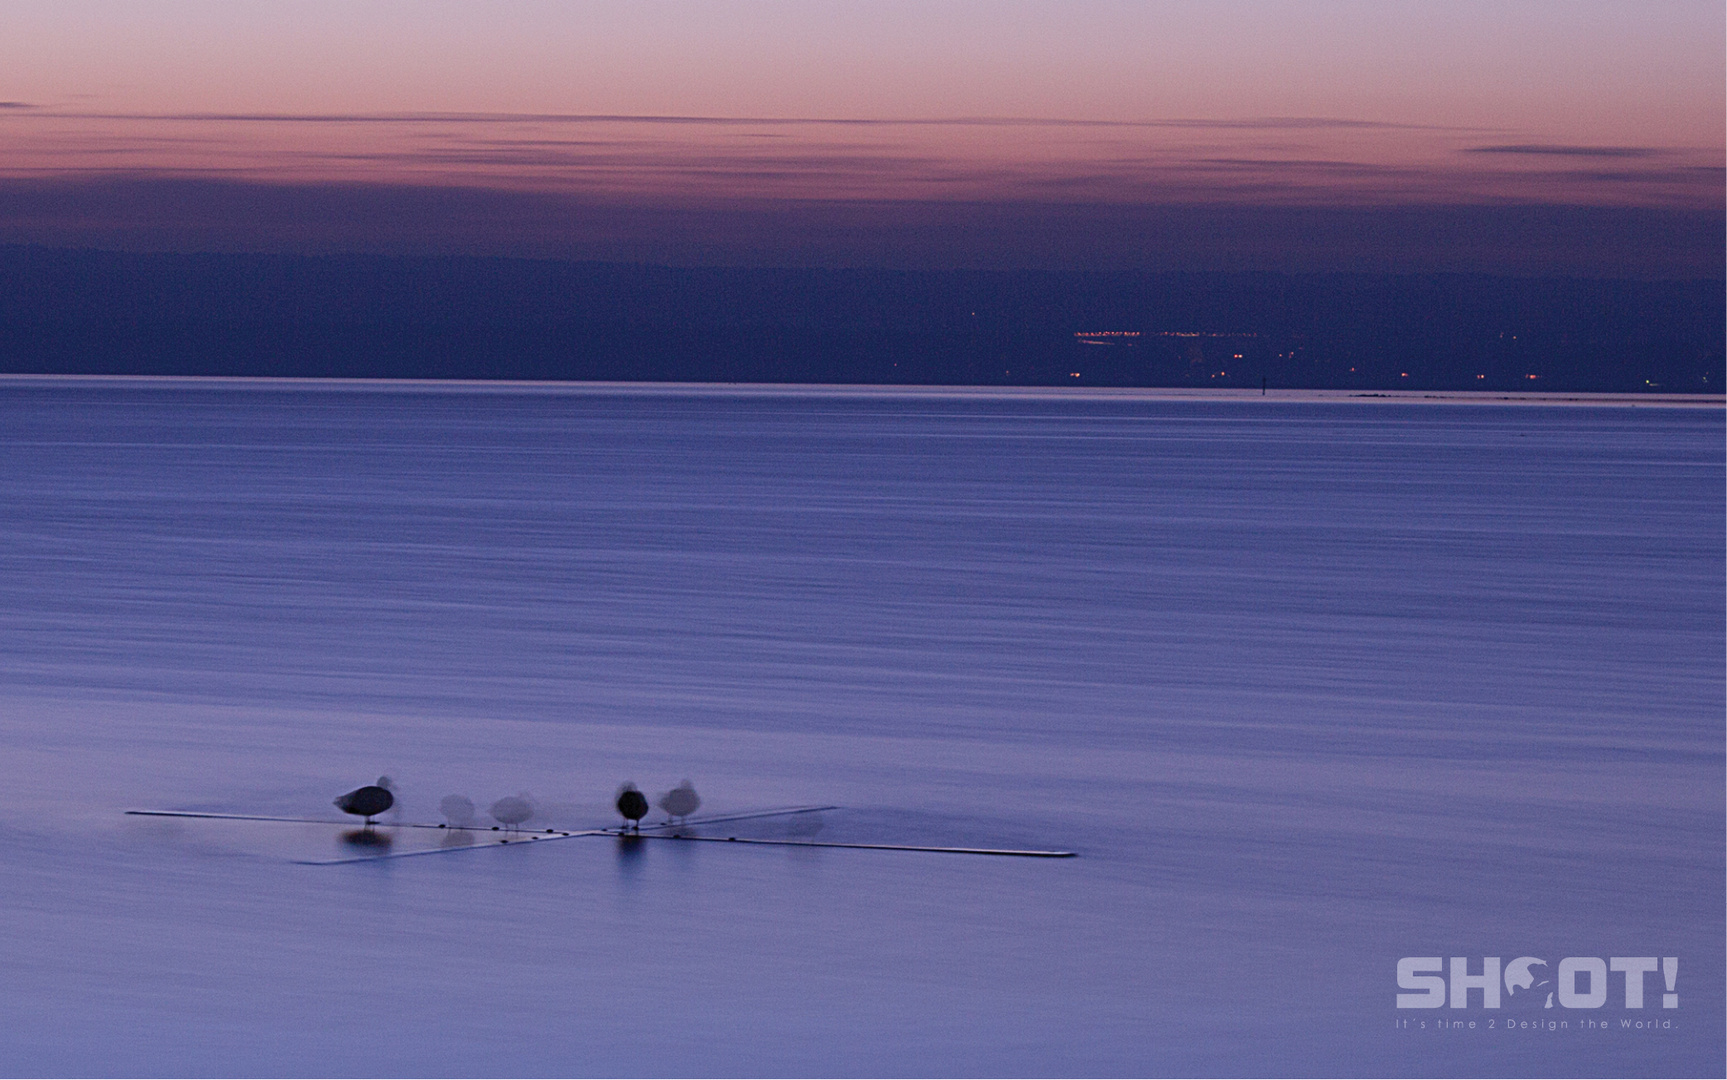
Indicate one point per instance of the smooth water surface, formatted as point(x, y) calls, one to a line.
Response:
point(1309, 687)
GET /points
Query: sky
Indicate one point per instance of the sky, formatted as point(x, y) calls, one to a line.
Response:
point(960, 133)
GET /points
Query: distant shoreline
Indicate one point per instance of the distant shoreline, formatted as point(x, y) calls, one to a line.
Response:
point(867, 390)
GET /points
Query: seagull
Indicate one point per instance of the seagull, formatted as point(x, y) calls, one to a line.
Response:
point(512, 810)
point(458, 810)
point(632, 804)
point(369, 801)
point(681, 801)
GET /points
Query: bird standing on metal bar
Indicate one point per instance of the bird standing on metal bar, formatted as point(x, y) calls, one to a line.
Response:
point(511, 810)
point(681, 801)
point(367, 802)
point(633, 805)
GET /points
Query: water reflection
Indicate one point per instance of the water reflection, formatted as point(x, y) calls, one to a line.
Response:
point(630, 850)
point(371, 839)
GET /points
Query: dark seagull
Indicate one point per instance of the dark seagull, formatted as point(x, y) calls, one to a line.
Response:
point(369, 801)
point(632, 804)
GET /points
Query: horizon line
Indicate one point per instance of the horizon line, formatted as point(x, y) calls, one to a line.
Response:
point(620, 388)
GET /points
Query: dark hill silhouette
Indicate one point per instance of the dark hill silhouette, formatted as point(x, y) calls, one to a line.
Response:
point(96, 312)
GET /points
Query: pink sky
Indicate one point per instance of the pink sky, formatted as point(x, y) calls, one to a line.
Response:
point(1381, 102)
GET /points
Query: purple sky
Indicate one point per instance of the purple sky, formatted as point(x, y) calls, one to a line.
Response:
point(152, 125)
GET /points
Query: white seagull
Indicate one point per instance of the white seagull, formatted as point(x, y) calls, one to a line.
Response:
point(512, 810)
point(681, 801)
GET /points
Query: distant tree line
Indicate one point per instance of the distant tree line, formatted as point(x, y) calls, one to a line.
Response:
point(99, 312)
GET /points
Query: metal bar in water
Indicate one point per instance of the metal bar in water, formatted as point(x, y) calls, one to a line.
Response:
point(1020, 852)
point(749, 816)
point(487, 841)
point(652, 832)
point(261, 817)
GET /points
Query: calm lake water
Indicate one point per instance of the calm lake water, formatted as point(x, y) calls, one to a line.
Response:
point(1310, 687)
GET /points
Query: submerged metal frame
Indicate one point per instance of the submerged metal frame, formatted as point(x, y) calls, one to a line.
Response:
point(645, 832)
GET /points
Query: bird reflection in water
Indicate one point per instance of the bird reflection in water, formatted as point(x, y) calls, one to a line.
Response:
point(368, 838)
point(630, 850)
